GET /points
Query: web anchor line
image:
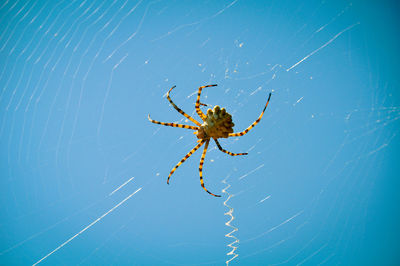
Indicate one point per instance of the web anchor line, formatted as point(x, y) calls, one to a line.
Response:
point(87, 227)
point(228, 223)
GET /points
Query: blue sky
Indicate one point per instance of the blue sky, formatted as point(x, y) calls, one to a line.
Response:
point(83, 172)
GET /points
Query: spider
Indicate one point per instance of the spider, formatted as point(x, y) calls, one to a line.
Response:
point(217, 123)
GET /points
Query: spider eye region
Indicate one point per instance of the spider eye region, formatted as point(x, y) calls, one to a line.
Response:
point(217, 124)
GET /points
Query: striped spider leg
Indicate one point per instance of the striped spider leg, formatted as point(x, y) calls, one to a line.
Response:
point(203, 155)
point(228, 152)
point(244, 132)
point(217, 123)
point(201, 141)
point(197, 105)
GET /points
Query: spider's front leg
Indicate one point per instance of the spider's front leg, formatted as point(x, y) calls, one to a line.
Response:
point(201, 169)
point(197, 106)
point(184, 159)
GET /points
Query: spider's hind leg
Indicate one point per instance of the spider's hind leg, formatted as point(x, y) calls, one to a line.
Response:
point(180, 110)
point(238, 134)
point(197, 105)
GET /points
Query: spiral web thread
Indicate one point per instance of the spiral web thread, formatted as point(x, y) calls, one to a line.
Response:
point(228, 223)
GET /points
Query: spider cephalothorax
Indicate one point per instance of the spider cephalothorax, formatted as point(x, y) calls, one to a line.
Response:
point(217, 123)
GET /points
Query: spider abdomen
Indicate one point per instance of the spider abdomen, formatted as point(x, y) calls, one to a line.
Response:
point(217, 124)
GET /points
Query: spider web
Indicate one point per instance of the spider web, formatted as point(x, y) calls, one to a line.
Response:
point(84, 172)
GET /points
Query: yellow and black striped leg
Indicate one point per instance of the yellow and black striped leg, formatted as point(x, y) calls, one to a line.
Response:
point(184, 159)
point(172, 124)
point(201, 168)
point(252, 125)
point(228, 152)
point(197, 106)
point(180, 110)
